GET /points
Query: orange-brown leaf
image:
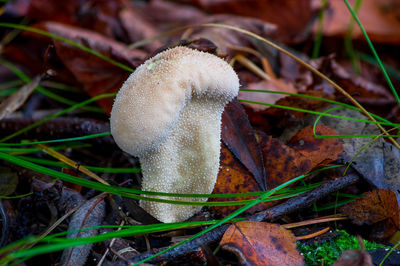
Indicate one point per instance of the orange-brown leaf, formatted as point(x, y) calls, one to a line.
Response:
point(281, 161)
point(375, 206)
point(260, 243)
point(233, 177)
point(319, 152)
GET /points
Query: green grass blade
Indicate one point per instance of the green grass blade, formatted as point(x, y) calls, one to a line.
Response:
point(128, 192)
point(227, 218)
point(76, 106)
point(347, 106)
point(315, 112)
point(369, 59)
point(92, 168)
point(44, 91)
point(348, 42)
point(343, 136)
point(92, 136)
point(373, 51)
point(318, 36)
point(60, 38)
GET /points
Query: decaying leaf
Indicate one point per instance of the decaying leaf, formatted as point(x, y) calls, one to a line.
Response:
point(273, 85)
point(89, 214)
point(281, 161)
point(238, 135)
point(15, 101)
point(233, 177)
point(379, 18)
point(292, 17)
point(379, 163)
point(259, 243)
point(375, 206)
point(97, 75)
point(301, 154)
point(299, 102)
point(317, 151)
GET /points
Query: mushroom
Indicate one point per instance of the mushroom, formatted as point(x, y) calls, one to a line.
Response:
point(168, 113)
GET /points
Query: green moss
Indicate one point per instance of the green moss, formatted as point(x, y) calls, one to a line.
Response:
point(329, 251)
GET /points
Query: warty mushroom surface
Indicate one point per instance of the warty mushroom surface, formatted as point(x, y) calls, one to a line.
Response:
point(168, 113)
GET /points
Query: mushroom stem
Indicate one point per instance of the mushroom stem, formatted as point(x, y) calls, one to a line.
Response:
point(191, 151)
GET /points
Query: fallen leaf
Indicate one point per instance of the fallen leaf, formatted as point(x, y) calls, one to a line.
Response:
point(259, 243)
point(91, 213)
point(238, 135)
point(18, 98)
point(375, 206)
point(292, 17)
point(282, 163)
point(379, 18)
point(99, 16)
point(274, 85)
point(362, 89)
point(318, 151)
point(225, 38)
point(354, 258)
point(97, 75)
point(379, 163)
point(137, 27)
point(233, 177)
point(169, 13)
point(298, 102)
point(355, 85)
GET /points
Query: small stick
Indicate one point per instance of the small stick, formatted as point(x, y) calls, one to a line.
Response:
point(318, 233)
point(273, 213)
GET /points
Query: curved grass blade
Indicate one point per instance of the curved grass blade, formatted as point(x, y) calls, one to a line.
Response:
point(128, 192)
point(60, 38)
point(227, 218)
point(76, 106)
point(44, 91)
point(92, 136)
point(92, 168)
point(346, 136)
point(371, 46)
point(316, 112)
point(348, 106)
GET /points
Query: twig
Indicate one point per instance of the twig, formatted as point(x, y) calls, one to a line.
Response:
point(294, 204)
point(318, 233)
point(60, 127)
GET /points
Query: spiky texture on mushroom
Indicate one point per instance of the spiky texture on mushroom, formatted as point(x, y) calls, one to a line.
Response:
point(168, 113)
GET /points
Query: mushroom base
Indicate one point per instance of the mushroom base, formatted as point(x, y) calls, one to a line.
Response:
point(186, 162)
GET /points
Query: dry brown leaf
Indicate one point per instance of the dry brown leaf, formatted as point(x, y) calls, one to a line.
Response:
point(259, 243)
point(97, 75)
point(233, 177)
point(298, 102)
point(318, 151)
point(375, 206)
point(354, 258)
point(379, 18)
point(282, 163)
point(17, 99)
point(279, 85)
point(238, 135)
point(292, 17)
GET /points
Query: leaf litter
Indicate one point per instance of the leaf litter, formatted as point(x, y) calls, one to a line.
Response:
point(263, 146)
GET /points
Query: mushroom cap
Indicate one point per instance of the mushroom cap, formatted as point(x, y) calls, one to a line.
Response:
point(149, 103)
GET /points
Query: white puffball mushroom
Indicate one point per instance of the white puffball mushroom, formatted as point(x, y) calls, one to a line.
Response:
point(168, 113)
